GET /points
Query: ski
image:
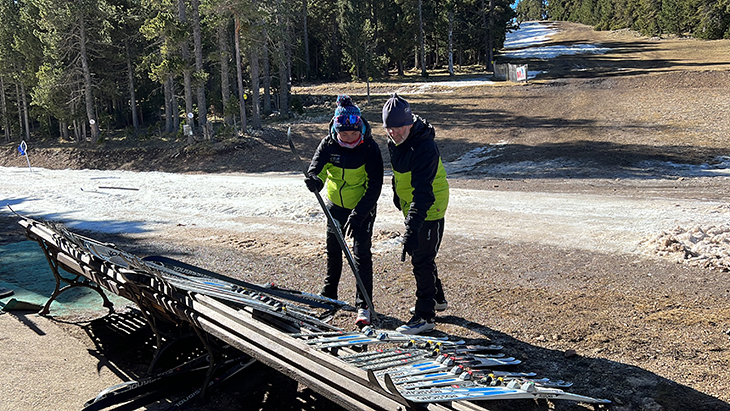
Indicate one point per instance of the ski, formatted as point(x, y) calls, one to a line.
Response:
point(291, 295)
point(268, 305)
point(379, 353)
point(460, 376)
point(526, 390)
point(464, 380)
point(447, 362)
point(325, 340)
point(129, 390)
point(406, 359)
point(383, 337)
point(308, 335)
point(368, 341)
point(426, 349)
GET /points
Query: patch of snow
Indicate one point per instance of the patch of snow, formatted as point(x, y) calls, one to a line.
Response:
point(279, 203)
point(704, 246)
point(720, 167)
point(529, 34)
point(468, 161)
point(522, 43)
point(549, 52)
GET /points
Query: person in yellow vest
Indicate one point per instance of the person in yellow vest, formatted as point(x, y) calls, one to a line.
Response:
point(349, 164)
point(421, 192)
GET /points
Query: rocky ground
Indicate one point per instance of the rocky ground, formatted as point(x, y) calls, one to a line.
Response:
point(645, 331)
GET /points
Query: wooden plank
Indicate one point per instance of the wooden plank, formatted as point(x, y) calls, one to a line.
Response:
point(256, 337)
point(278, 363)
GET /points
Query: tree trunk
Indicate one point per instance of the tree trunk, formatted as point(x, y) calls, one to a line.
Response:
point(267, 72)
point(239, 76)
point(451, 43)
point(24, 97)
point(175, 105)
point(225, 54)
point(4, 106)
point(490, 40)
point(281, 61)
point(20, 108)
point(88, 96)
point(305, 40)
point(169, 111)
point(198, 43)
point(421, 40)
point(255, 93)
point(64, 129)
point(132, 97)
point(335, 45)
point(415, 57)
point(187, 77)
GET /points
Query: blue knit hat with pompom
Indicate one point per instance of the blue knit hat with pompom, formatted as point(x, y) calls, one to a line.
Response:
point(347, 115)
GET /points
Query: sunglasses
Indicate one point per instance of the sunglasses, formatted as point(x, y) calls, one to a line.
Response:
point(348, 119)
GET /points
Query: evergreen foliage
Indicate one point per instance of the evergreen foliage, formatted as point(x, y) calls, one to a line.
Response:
point(705, 19)
point(77, 68)
point(531, 10)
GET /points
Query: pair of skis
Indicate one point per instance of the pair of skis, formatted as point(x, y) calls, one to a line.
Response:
point(517, 388)
point(461, 376)
point(134, 394)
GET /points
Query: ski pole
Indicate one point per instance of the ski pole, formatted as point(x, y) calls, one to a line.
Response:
point(338, 232)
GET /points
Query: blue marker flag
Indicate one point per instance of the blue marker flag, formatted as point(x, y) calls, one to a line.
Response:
point(21, 149)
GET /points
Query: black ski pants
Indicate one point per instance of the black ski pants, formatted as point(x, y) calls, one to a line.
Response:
point(428, 284)
point(361, 252)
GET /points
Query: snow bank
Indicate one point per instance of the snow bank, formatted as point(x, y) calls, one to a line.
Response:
point(707, 247)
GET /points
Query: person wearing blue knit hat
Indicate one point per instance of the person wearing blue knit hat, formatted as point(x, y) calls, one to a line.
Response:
point(421, 192)
point(349, 164)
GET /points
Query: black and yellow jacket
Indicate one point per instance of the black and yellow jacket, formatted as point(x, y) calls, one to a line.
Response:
point(353, 177)
point(419, 177)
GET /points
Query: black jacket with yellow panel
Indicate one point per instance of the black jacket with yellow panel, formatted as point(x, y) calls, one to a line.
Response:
point(419, 178)
point(353, 177)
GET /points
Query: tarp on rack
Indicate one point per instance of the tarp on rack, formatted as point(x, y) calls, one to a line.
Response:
point(25, 270)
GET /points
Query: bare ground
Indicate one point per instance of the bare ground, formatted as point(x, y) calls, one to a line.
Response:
point(647, 333)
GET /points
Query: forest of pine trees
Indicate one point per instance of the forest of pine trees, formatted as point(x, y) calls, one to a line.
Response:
point(704, 19)
point(75, 69)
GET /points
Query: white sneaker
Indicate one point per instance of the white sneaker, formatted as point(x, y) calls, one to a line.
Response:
point(416, 325)
point(363, 317)
point(440, 306)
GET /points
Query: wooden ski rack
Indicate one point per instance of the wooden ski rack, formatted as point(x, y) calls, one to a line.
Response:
point(103, 267)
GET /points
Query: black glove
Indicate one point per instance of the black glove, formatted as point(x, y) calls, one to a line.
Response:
point(410, 241)
point(353, 223)
point(314, 183)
